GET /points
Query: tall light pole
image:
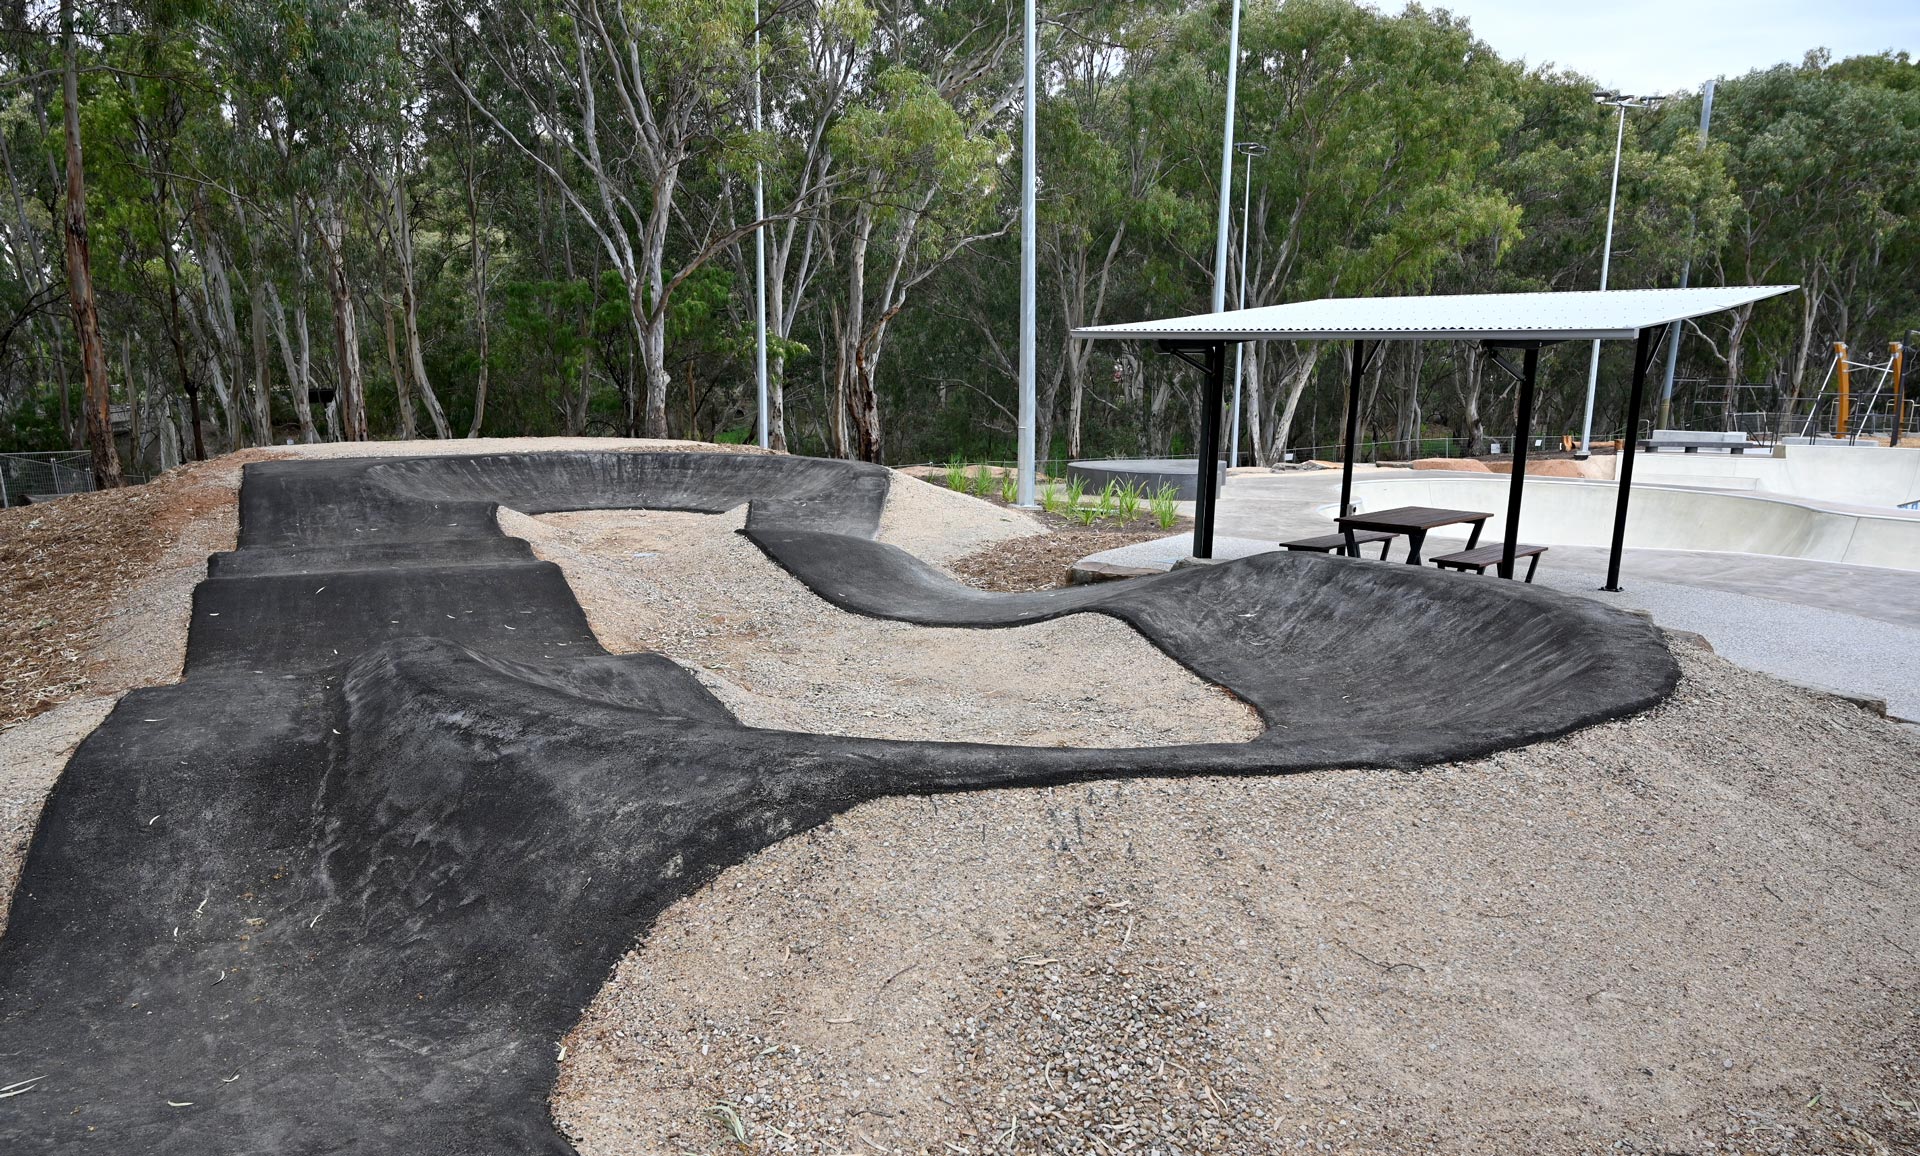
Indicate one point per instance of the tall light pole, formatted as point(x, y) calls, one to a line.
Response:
point(1028, 178)
point(1686, 270)
point(1623, 103)
point(1250, 150)
point(1226, 166)
point(759, 249)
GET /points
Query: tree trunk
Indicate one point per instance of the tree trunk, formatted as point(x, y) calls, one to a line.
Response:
point(1253, 406)
point(86, 316)
point(399, 375)
point(351, 398)
point(262, 361)
point(410, 314)
point(133, 400)
point(1283, 429)
point(299, 376)
point(216, 298)
point(477, 254)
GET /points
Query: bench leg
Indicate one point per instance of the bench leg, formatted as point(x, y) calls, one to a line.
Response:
point(1532, 565)
point(1384, 547)
point(1473, 538)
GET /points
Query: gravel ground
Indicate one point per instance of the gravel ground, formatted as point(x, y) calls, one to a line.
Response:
point(1692, 931)
point(1688, 932)
point(691, 587)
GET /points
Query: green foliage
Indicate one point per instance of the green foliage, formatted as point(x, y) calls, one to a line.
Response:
point(1406, 156)
point(980, 481)
point(1163, 505)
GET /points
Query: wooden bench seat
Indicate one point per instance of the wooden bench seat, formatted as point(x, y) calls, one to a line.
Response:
point(1337, 543)
point(1480, 558)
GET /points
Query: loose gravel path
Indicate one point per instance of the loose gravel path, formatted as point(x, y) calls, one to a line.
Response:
point(1688, 932)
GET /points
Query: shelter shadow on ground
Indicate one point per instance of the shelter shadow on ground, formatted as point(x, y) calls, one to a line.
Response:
point(344, 886)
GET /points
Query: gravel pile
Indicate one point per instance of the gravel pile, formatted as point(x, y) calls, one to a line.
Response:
point(1689, 932)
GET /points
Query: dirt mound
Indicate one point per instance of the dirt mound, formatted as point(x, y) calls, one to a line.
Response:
point(1464, 465)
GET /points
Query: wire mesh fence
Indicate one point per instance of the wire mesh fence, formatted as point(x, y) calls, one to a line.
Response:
point(38, 476)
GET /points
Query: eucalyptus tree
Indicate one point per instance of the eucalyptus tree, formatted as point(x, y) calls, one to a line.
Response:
point(80, 300)
point(631, 94)
point(1822, 157)
point(1381, 129)
point(921, 180)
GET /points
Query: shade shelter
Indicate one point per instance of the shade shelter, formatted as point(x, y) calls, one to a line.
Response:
point(1501, 322)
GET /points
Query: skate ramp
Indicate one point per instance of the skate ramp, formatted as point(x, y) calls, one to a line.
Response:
point(345, 886)
point(1564, 512)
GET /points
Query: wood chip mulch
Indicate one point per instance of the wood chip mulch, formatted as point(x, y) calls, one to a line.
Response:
point(1041, 561)
point(62, 565)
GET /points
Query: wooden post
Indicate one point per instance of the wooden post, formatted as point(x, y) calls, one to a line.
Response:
point(1899, 394)
point(1846, 389)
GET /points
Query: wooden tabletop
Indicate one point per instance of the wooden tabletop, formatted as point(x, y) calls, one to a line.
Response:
point(1411, 518)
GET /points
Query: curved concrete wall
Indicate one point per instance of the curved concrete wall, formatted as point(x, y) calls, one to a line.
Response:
point(1565, 512)
point(1860, 475)
point(1183, 474)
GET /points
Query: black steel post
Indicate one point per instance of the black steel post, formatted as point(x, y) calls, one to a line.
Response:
point(1642, 354)
point(1208, 494)
point(1522, 433)
point(1353, 426)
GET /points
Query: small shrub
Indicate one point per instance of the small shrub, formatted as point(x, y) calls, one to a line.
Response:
point(1052, 499)
point(982, 481)
point(1126, 504)
point(1165, 511)
point(956, 474)
point(1086, 515)
point(1009, 488)
point(1076, 490)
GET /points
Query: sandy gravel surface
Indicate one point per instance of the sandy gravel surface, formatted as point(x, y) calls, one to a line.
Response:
point(938, 525)
point(1693, 931)
point(691, 587)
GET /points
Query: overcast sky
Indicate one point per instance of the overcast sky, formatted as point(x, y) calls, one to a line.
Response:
point(1643, 46)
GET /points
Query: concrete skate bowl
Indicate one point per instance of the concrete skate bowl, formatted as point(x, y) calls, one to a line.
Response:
point(1147, 474)
point(1565, 512)
point(345, 886)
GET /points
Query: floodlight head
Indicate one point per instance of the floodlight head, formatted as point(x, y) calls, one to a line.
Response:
point(1605, 95)
point(1251, 148)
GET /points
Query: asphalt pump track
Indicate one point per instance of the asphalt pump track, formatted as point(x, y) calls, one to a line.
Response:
point(344, 887)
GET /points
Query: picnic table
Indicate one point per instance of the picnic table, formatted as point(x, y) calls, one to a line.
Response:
point(1414, 522)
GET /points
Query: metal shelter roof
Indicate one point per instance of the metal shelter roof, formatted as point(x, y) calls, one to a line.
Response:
point(1578, 316)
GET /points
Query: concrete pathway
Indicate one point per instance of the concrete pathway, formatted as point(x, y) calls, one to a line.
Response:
point(1854, 629)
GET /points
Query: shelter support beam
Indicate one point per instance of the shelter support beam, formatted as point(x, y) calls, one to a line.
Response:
point(1522, 434)
point(1643, 351)
point(1210, 358)
point(1362, 361)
